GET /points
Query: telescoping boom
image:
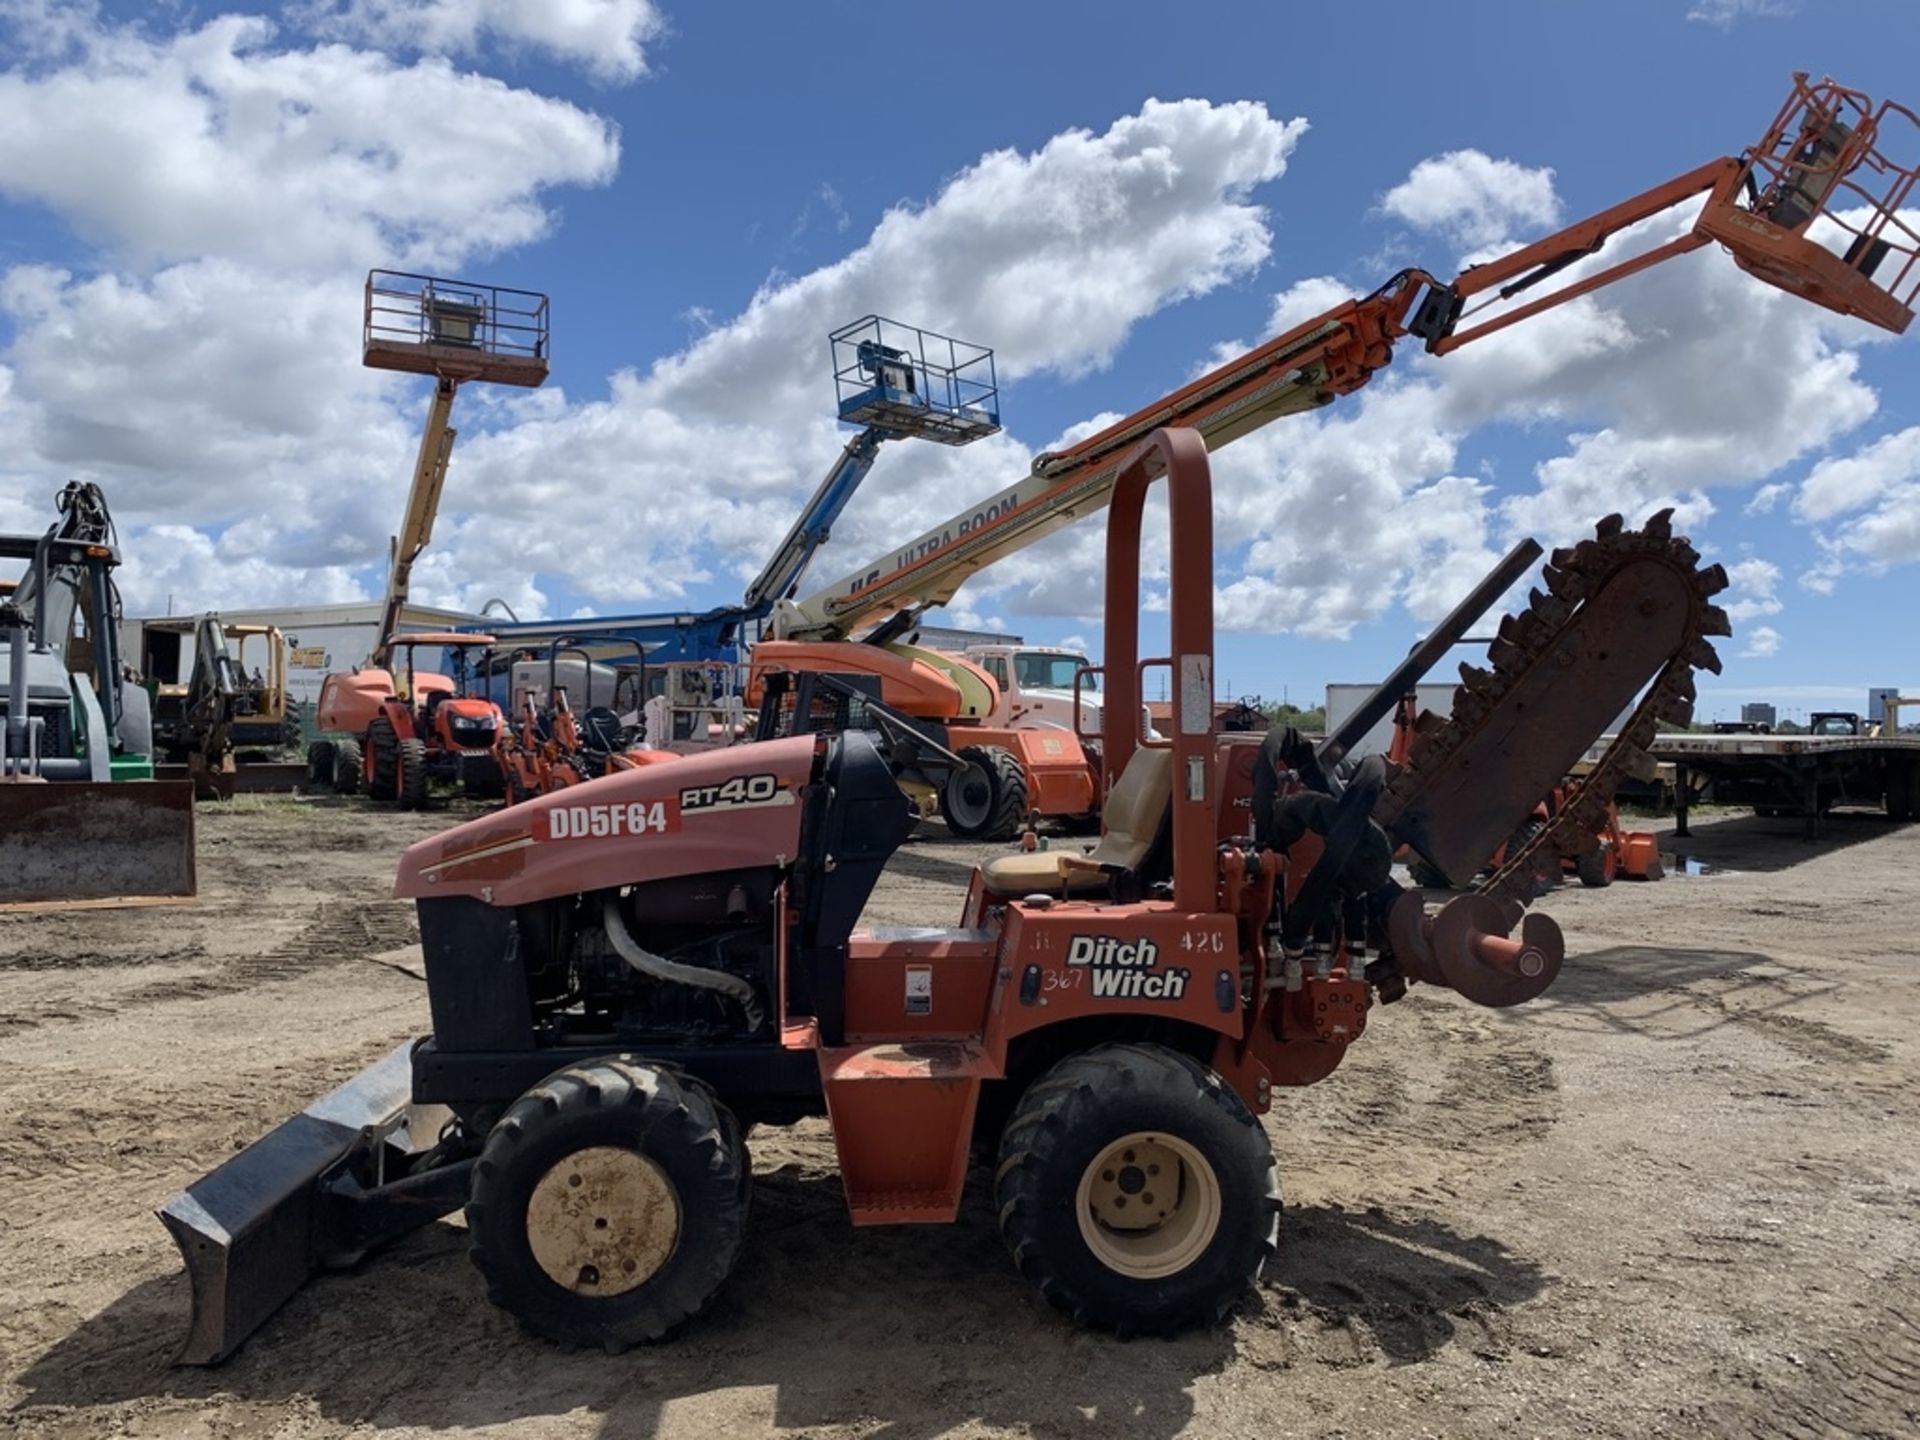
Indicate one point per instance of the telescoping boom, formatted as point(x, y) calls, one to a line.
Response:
point(1819, 177)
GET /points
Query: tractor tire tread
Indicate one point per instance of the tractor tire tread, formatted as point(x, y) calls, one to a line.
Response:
point(1105, 1091)
point(410, 777)
point(320, 764)
point(677, 1122)
point(1007, 812)
point(347, 774)
point(383, 757)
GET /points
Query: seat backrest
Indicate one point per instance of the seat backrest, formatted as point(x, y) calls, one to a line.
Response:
point(1135, 809)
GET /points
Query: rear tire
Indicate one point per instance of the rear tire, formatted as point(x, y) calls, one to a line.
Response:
point(347, 774)
point(988, 799)
point(610, 1204)
point(383, 753)
point(1899, 792)
point(410, 777)
point(1095, 1135)
point(320, 764)
point(1597, 867)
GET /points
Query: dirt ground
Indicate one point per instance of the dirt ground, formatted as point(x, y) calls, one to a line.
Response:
point(1679, 1195)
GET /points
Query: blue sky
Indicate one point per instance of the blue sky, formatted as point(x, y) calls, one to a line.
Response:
point(705, 190)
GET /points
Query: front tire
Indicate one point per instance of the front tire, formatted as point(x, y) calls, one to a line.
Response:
point(1597, 867)
point(346, 767)
point(320, 764)
point(410, 775)
point(610, 1204)
point(383, 757)
point(986, 800)
point(1137, 1191)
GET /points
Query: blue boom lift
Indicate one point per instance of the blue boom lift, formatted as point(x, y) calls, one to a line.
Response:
point(896, 382)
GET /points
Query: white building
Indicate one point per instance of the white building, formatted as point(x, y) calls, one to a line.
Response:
point(320, 639)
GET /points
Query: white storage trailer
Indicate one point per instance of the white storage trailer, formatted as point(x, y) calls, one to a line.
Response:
point(1343, 700)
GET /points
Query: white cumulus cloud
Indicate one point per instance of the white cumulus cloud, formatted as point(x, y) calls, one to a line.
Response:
point(215, 143)
point(1473, 198)
point(607, 38)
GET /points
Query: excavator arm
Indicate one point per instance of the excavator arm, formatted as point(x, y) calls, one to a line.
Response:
point(1823, 147)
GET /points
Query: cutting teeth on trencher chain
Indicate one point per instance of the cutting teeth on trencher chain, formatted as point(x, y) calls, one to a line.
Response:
point(1570, 576)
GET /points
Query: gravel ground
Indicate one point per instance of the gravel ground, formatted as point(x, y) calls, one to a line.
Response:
point(1675, 1196)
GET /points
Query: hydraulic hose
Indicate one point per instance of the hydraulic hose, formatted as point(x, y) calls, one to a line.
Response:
point(672, 972)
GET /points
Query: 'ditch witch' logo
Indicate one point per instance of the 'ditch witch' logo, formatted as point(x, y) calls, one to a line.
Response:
point(1124, 970)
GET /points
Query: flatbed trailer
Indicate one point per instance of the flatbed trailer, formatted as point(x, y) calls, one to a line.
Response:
point(1803, 775)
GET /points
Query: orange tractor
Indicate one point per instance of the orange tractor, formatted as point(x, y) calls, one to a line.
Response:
point(393, 736)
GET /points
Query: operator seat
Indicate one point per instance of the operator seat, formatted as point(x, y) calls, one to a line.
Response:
point(1132, 818)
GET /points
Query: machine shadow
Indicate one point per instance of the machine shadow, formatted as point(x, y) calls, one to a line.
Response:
point(1764, 845)
point(1406, 1287)
point(905, 1334)
point(1670, 993)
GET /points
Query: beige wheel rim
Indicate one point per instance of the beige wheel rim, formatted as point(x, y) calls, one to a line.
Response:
point(603, 1221)
point(1148, 1205)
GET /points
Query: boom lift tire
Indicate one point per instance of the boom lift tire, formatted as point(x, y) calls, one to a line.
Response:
point(1101, 1131)
point(383, 750)
point(347, 761)
point(320, 763)
point(410, 779)
point(609, 1204)
point(988, 799)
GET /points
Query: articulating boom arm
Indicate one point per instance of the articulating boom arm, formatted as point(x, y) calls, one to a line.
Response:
point(1823, 147)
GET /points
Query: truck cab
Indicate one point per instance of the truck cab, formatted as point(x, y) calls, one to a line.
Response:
point(1835, 722)
point(1036, 686)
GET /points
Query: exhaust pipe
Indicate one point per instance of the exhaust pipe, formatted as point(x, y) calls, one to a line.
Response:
point(355, 1168)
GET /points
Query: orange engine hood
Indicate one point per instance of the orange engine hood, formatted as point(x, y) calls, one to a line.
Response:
point(730, 809)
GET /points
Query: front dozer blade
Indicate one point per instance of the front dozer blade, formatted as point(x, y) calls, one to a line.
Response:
point(253, 1231)
point(66, 840)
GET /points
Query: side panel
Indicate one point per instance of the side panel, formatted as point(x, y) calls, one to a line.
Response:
point(1075, 960)
point(911, 984)
point(350, 700)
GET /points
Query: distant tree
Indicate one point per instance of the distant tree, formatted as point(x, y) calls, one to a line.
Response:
point(1312, 722)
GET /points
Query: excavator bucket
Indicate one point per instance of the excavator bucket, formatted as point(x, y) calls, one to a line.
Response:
point(64, 841)
point(316, 1193)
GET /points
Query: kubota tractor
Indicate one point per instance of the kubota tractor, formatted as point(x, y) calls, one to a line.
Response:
point(396, 736)
point(626, 976)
